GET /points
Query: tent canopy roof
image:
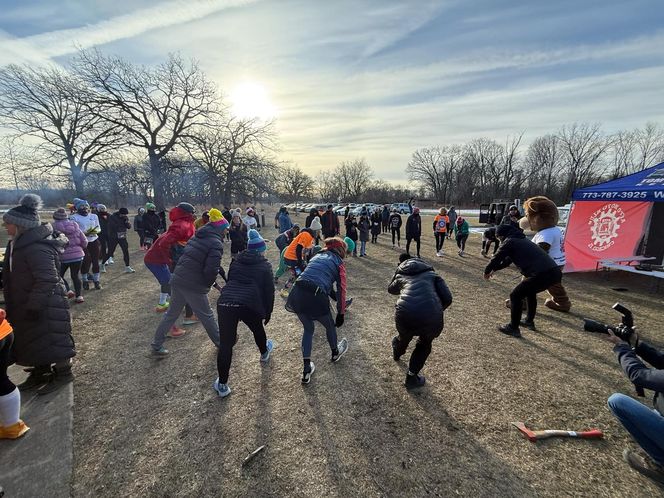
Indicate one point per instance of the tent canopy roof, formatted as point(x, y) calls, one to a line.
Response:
point(646, 185)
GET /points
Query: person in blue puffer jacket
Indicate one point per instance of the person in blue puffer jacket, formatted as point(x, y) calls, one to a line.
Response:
point(285, 222)
point(310, 300)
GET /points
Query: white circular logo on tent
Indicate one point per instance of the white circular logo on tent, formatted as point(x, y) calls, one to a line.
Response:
point(604, 225)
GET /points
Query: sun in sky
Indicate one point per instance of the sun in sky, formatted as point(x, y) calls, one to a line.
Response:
point(249, 100)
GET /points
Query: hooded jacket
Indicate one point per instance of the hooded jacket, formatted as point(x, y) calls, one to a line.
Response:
point(198, 265)
point(364, 227)
point(250, 284)
point(75, 248)
point(313, 213)
point(151, 224)
point(330, 222)
point(238, 235)
point(528, 257)
point(413, 226)
point(285, 222)
point(423, 296)
point(181, 230)
point(117, 224)
point(385, 215)
point(35, 299)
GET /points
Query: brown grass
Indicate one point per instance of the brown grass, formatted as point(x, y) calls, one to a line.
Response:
point(156, 428)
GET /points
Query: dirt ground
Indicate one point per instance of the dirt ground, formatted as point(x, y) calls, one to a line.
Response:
point(146, 427)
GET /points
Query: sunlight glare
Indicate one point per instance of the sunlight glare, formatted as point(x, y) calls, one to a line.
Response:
point(250, 100)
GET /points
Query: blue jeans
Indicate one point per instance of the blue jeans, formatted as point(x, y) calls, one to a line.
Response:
point(308, 335)
point(363, 248)
point(644, 424)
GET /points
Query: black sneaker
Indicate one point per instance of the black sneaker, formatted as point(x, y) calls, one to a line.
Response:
point(414, 381)
point(35, 380)
point(507, 329)
point(86, 285)
point(56, 382)
point(395, 343)
point(342, 347)
point(645, 465)
point(97, 286)
point(529, 324)
point(308, 372)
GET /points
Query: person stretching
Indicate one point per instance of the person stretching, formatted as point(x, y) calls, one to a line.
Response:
point(461, 230)
point(248, 297)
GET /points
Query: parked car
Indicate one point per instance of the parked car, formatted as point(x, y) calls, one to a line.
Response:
point(401, 207)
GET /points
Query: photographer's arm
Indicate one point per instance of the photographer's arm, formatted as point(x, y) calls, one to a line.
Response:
point(638, 373)
point(650, 354)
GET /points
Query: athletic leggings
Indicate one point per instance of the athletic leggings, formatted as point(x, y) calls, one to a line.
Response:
point(6, 385)
point(103, 247)
point(141, 237)
point(396, 232)
point(417, 242)
point(308, 334)
point(74, 268)
point(92, 254)
point(229, 318)
point(440, 240)
point(461, 241)
point(123, 245)
point(163, 276)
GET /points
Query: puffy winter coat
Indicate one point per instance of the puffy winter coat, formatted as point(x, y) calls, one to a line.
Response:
point(181, 229)
point(250, 284)
point(75, 248)
point(138, 223)
point(117, 224)
point(462, 229)
point(198, 266)
point(423, 296)
point(313, 213)
point(527, 256)
point(238, 235)
point(285, 222)
point(413, 226)
point(364, 226)
point(151, 224)
point(283, 240)
point(324, 270)
point(330, 223)
point(35, 299)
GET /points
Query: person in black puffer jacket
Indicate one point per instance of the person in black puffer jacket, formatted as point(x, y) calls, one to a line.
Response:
point(151, 223)
point(248, 297)
point(118, 224)
point(423, 297)
point(538, 268)
point(194, 274)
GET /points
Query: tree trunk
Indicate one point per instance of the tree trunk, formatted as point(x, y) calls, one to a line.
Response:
point(157, 181)
point(77, 179)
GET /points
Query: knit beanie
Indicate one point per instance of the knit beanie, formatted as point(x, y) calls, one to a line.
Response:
point(102, 208)
point(217, 219)
point(256, 242)
point(60, 214)
point(25, 215)
point(79, 203)
point(315, 224)
point(459, 221)
point(235, 214)
point(350, 244)
point(150, 207)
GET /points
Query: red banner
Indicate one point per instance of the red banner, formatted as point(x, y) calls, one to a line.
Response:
point(601, 230)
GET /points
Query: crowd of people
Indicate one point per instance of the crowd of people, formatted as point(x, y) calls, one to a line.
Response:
point(185, 258)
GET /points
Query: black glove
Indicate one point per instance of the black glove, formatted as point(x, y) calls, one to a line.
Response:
point(340, 320)
point(267, 320)
point(32, 315)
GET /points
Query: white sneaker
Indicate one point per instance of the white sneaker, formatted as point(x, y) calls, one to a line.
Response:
point(222, 389)
point(110, 261)
point(129, 269)
point(439, 254)
point(102, 268)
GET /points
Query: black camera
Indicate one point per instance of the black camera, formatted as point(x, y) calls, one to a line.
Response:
point(624, 330)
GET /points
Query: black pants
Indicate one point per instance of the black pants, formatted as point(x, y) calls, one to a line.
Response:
point(396, 235)
point(422, 347)
point(103, 247)
point(74, 268)
point(386, 226)
point(6, 385)
point(141, 237)
point(440, 240)
point(92, 253)
point(229, 318)
point(123, 245)
point(374, 238)
point(417, 242)
point(528, 289)
point(486, 245)
point(461, 241)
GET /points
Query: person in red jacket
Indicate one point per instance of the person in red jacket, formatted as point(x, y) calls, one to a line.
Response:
point(158, 256)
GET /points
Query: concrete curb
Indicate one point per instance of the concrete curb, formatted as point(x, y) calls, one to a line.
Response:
point(40, 463)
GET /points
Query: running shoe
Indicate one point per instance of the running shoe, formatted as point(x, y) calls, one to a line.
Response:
point(222, 389)
point(79, 299)
point(190, 320)
point(414, 381)
point(307, 373)
point(342, 347)
point(266, 356)
point(160, 308)
point(129, 269)
point(159, 353)
point(176, 332)
point(71, 294)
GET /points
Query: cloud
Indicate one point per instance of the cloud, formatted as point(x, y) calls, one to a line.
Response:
point(42, 46)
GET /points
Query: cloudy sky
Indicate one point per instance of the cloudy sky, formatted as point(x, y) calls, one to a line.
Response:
point(380, 78)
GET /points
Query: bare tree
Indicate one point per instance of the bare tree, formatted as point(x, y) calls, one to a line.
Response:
point(543, 166)
point(354, 178)
point(583, 147)
point(510, 162)
point(49, 104)
point(327, 186)
point(637, 149)
point(157, 107)
point(13, 161)
point(294, 183)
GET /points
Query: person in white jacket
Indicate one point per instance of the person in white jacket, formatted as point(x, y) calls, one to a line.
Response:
point(89, 224)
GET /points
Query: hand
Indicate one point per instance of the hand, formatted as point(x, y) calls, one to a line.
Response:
point(266, 320)
point(487, 276)
point(614, 339)
point(339, 321)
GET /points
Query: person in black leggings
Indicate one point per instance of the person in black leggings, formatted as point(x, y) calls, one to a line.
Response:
point(395, 227)
point(118, 224)
point(11, 425)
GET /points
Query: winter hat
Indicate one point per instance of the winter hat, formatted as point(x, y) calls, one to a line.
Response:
point(256, 242)
point(185, 206)
point(80, 203)
point(416, 210)
point(123, 211)
point(315, 224)
point(235, 214)
point(102, 208)
point(141, 210)
point(460, 220)
point(25, 215)
point(217, 219)
point(150, 207)
point(60, 214)
point(350, 244)
point(250, 211)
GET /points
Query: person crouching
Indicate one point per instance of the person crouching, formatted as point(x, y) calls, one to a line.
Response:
point(423, 298)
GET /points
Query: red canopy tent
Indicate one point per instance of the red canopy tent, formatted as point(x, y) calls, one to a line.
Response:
point(617, 219)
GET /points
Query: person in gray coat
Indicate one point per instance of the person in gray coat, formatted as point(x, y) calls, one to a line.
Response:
point(195, 273)
point(35, 297)
point(452, 215)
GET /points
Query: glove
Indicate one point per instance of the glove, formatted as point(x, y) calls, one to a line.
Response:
point(267, 320)
point(340, 320)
